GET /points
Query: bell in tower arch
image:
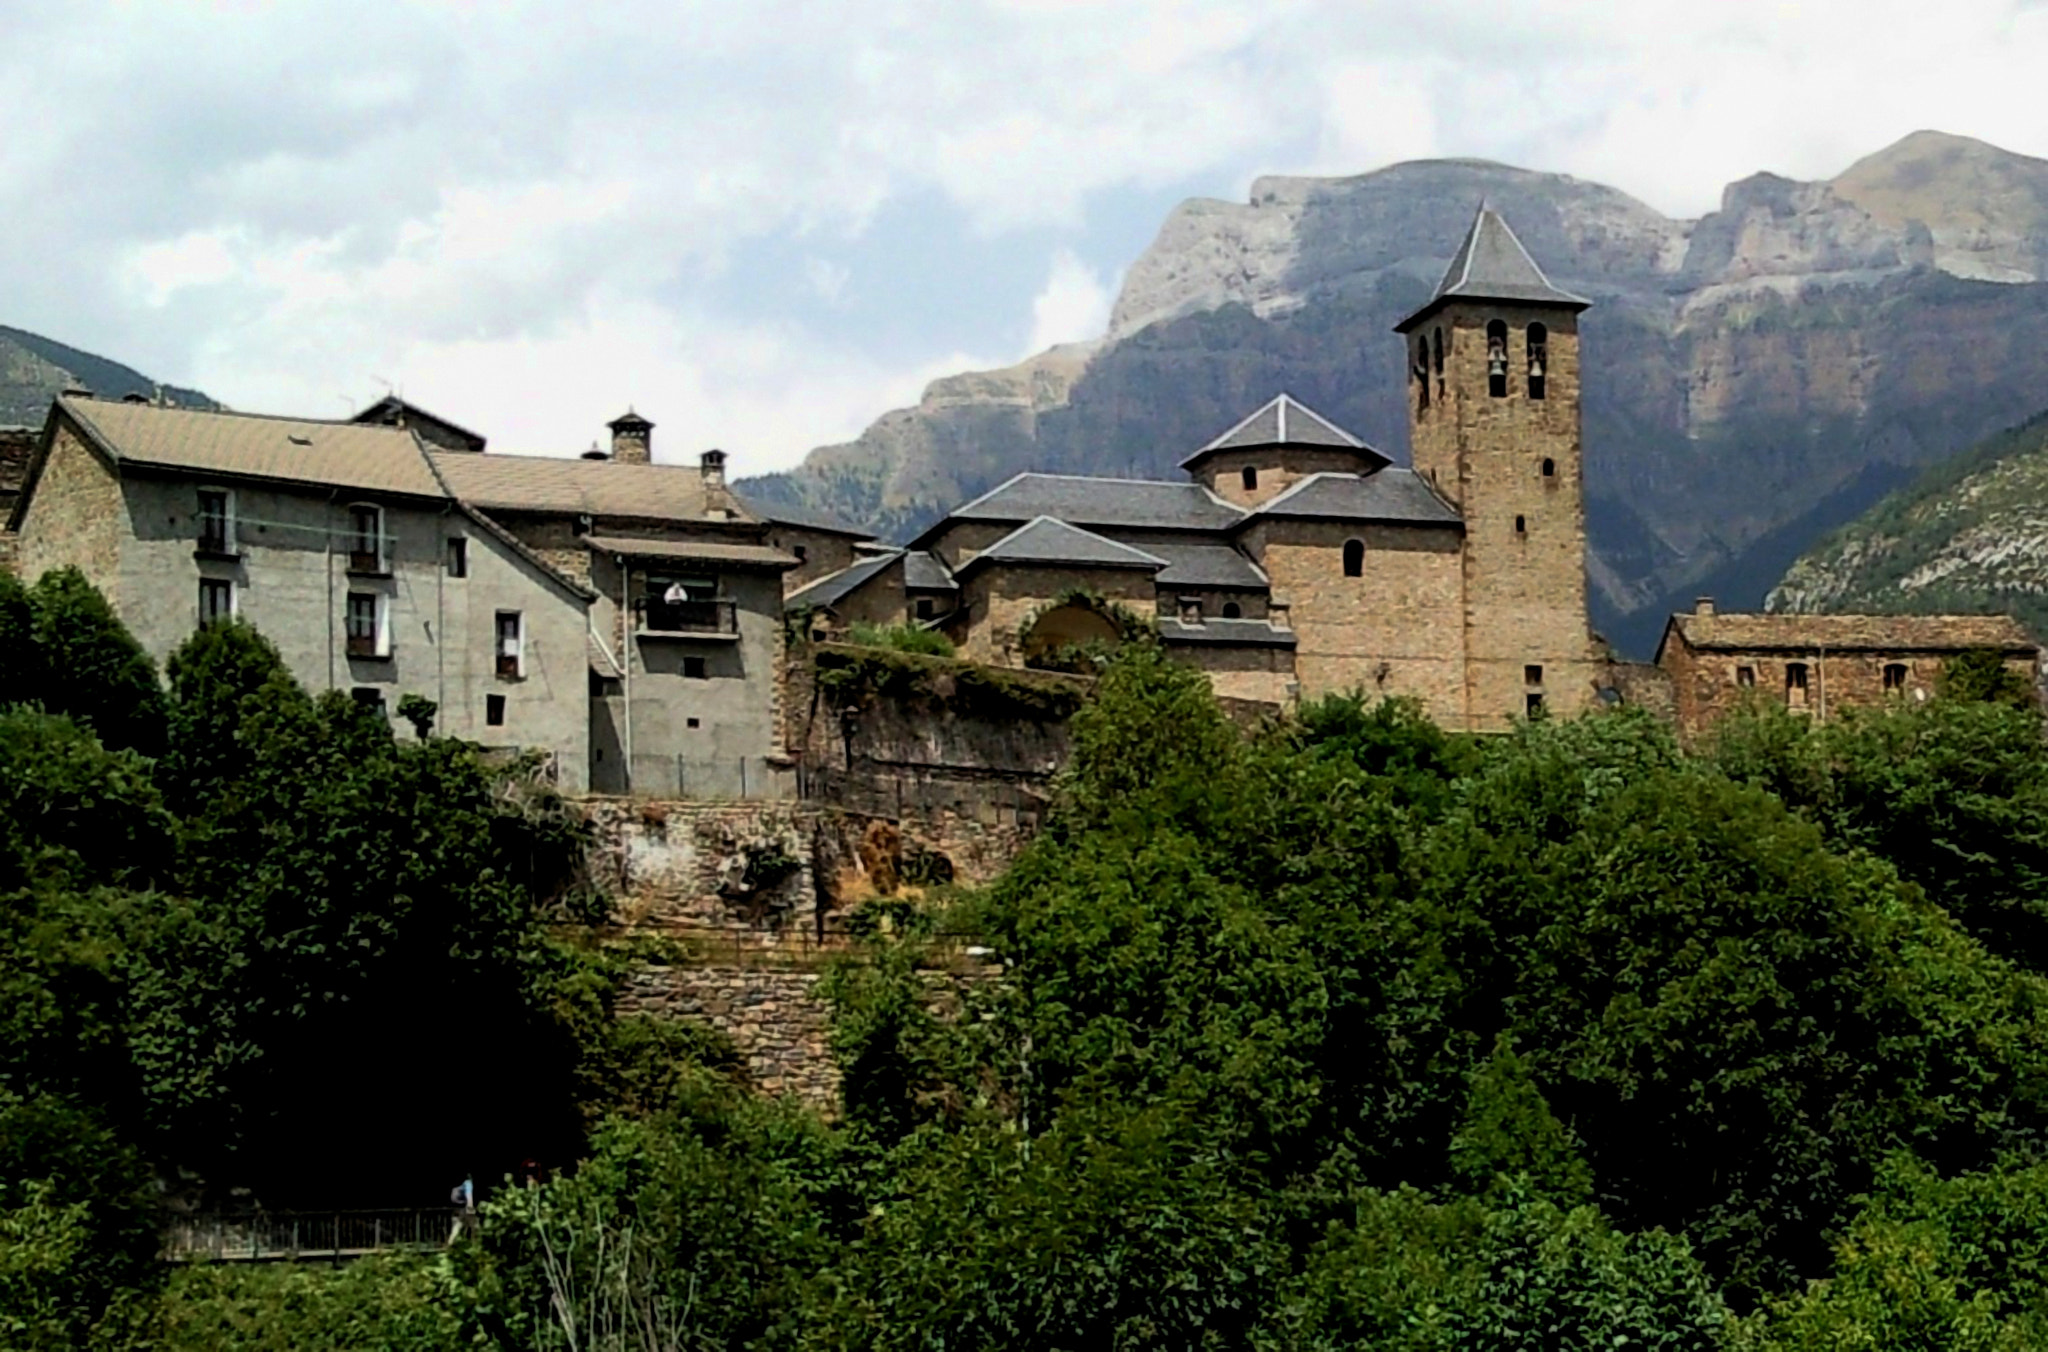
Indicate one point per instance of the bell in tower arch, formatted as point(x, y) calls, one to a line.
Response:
point(1496, 358)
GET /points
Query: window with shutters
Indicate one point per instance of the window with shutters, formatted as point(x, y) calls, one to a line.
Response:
point(511, 645)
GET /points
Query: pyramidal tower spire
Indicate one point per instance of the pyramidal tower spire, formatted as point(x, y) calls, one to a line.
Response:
point(1492, 265)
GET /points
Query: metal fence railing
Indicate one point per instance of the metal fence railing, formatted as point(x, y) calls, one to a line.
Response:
point(286, 1235)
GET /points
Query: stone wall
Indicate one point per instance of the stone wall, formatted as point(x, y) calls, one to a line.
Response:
point(774, 1017)
point(743, 867)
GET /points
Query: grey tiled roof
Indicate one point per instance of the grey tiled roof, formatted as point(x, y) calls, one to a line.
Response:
point(1391, 494)
point(1227, 633)
point(1206, 565)
point(831, 590)
point(1046, 541)
point(1492, 265)
point(802, 517)
point(1085, 501)
point(1286, 421)
point(923, 572)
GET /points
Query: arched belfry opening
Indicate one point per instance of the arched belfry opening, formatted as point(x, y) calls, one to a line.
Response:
point(1496, 358)
point(1539, 358)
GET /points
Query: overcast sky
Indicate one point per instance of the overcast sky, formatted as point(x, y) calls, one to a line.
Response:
point(764, 222)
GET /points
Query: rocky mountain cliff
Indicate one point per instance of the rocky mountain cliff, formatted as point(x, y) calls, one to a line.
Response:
point(1753, 378)
point(1968, 537)
point(34, 370)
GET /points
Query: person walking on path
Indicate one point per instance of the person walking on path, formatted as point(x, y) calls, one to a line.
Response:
point(463, 1197)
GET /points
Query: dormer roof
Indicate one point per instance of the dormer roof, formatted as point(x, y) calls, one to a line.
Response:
point(1047, 542)
point(1286, 421)
point(1492, 265)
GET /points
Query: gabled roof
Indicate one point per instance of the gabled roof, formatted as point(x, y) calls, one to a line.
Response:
point(603, 488)
point(836, 587)
point(1045, 542)
point(1209, 566)
point(1492, 265)
point(1393, 495)
point(392, 411)
point(1286, 421)
point(1082, 500)
point(1766, 632)
point(923, 572)
point(346, 455)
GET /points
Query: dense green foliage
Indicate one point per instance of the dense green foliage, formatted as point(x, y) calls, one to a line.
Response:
point(902, 638)
point(1344, 1033)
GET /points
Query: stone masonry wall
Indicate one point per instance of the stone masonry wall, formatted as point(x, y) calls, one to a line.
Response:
point(774, 1017)
point(78, 516)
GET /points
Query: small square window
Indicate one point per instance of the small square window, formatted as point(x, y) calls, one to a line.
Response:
point(803, 555)
point(693, 668)
point(368, 697)
point(1532, 703)
point(216, 600)
point(691, 723)
point(494, 711)
point(1532, 675)
point(924, 607)
point(1745, 677)
point(458, 556)
point(1894, 677)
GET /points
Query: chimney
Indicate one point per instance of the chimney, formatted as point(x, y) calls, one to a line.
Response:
point(632, 439)
point(1703, 605)
point(711, 465)
point(597, 452)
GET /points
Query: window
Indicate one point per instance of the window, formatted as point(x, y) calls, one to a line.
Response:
point(1232, 611)
point(1539, 353)
point(693, 723)
point(693, 668)
point(369, 625)
point(1354, 558)
point(511, 645)
point(216, 600)
point(494, 711)
point(1250, 475)
point(1532, 675)
point(679, 605)
point(1795, 682)
point(1421, 372)
point(802, 552)
point(1894, 677)
point(1439, 357)
point(1549, 468)
point(368, 698)
point(1521, 525)
point(924, 607)
point(458, 556)
point(1496, 358)
point(1532, 703)
point(366, 552)
point(216, 521)
point(1745, 677)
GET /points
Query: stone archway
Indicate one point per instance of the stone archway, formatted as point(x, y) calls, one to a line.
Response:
point(1071, 625)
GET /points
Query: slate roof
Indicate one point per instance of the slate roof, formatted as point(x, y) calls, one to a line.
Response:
point(1392, 494)
point(836, 587)
point(533, 483)
point(923, 572)
point(1046, 541)
point(731, 552)
point(344, 455)
point(1215, 566)
point(1286, 421)
point(1225, 633)
point(1492, 265)
point(1756, 632)
point(1084, 501)
point(803, 518)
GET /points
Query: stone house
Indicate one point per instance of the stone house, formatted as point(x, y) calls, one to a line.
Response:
point(339, 541)
point(1297, 560)
point(1819, 665)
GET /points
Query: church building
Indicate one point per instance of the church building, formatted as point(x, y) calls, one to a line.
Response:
point(1295, 560)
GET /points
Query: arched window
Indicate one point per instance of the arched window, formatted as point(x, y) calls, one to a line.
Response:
point(1795, 683)
point(1894, 678)
point(1497, 358)
point(1521, 526)
point(1539, 358)
point(1232, 610)
point(1354, 558)
point(1250, 477)
point(1422, 371)
point(1439, 359)
point(1549, 468)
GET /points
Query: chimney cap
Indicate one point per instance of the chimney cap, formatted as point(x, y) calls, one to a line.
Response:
point(597, 452)
point(714, 456)
point(1703, 605)
point(629, 421)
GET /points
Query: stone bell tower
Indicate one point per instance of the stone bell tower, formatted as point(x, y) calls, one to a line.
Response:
point(1493, 400)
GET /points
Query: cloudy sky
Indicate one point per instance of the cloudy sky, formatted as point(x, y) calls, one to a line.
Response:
point(763, 222)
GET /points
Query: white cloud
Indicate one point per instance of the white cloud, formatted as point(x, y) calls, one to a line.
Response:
point(1073, 305)
point(532, 211)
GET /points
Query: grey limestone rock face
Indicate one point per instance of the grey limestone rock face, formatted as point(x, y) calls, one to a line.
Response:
point(1754, 378)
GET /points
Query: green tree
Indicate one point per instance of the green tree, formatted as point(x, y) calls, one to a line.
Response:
point(94, 670)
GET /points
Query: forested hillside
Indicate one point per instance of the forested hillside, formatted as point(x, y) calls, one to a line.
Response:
point(1342, 1034)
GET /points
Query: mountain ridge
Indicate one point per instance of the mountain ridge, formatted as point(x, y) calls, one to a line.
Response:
point(1776, 363)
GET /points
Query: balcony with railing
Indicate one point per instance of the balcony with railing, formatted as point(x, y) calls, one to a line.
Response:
point(714, 618)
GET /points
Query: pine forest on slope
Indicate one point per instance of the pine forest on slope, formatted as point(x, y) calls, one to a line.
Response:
point(1753, 379)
